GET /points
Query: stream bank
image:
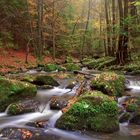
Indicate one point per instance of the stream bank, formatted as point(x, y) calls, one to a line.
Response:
point(47, 117)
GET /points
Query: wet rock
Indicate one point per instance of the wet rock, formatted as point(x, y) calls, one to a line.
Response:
point(45, 80)
point(92, 111)
point(135, 119)
point(125, 117)
point(38, 124)
point(58, 103)
point(45, 87)
point(23, 107)
point(14, 90)
point(71, 85)
point(15, 133)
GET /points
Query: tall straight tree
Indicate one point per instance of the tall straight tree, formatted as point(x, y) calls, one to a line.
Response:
point(122, 51)
point(113, 28)
point(108, 42)
point(86, 27)
point(40, 28)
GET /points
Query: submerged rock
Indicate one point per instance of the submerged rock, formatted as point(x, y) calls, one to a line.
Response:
point(13, 90)
point(38, 124)
point(109, 83)
point(93, 111)
point(23, 107)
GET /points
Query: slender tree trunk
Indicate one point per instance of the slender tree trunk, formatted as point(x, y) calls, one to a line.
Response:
point(108, 28)
point(86, 28)
point(40, 23)
point(53, 31)
point(113, 29)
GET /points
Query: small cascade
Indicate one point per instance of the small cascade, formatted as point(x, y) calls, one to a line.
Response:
point(133, 82)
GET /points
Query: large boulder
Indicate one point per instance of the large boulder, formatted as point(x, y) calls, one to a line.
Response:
point(93, 111)
point(13, 90)
point(45, 80)
point(109, 83)
point(23, 107)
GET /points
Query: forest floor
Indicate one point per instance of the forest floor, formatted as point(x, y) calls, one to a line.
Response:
point(13, 60)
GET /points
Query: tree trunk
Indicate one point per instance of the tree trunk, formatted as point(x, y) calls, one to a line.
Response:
point(113, 29)
point(122, 52)
point(39, 27)
point(53, 32)
point(108, 28)
point(86, 28)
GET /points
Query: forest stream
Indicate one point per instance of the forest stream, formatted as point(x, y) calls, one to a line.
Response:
point(127, 132)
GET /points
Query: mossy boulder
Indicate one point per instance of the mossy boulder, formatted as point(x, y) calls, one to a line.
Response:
point(23, 107)
point(41, 80)
point(72, 66)
point(13, 90)
point(93, 111)
point(50, 67)
point(109, 83)
point(132, 107)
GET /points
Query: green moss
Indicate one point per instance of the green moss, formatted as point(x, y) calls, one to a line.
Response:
point(45, 80)
point(131, 108)
point(13, 90)
point(93, 111)
point(50, 67)
point(100, 63)
point(72, 67)
point(109, 83)
point(13, 109)
point(69, 59)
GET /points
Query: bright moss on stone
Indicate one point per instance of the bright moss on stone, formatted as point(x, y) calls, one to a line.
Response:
point(93, 111)
point(109, 83)
point(45, 80)
point(13, 90)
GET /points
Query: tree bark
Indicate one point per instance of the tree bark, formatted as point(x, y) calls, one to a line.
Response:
point(108, 29)
point(122, 52)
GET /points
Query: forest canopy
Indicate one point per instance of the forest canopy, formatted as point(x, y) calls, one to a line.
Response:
point(76, 28)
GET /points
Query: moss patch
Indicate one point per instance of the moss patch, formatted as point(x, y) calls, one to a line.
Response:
point(72, 67)
point(99, 63)
point(45, 80)
point(93, 111)
point(109, 83)
point(13, 90)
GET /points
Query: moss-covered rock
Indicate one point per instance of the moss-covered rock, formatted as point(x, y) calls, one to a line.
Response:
point(13, 90)
point(72, 67)
point(132, 107)
point(93, 111)
point(45, 80)
point(50, 67)
point(23, 107)
point(109, 83)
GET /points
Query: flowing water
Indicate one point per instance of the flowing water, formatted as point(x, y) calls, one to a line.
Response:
point(127, 132)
